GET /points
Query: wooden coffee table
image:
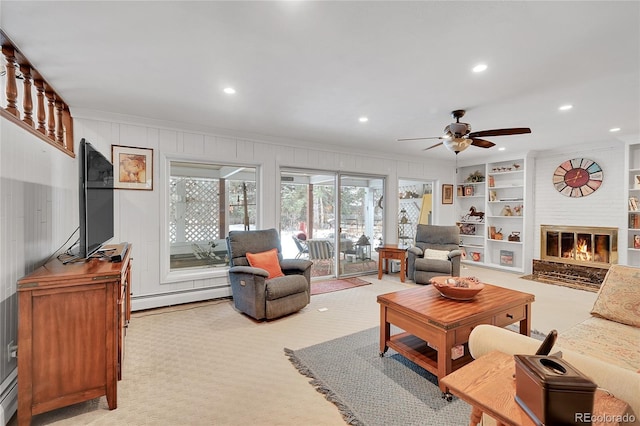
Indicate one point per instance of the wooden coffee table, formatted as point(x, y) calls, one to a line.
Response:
point(426, 316)
point(487, 384)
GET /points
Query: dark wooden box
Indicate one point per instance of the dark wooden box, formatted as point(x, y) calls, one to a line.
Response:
point(551, 391)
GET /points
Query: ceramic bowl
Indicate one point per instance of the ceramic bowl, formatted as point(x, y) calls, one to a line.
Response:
point(457, 288)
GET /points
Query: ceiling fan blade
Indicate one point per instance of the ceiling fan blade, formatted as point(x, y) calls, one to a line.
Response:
point(433, 146)
point(418, 139)
point(500, 132)
point(481, 143)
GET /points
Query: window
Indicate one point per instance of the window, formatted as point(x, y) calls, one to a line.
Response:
point(206, 201)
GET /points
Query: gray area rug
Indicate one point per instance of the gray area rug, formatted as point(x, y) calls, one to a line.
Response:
point(370, 390)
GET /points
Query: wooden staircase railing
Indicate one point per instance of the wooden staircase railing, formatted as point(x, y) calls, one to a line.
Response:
point(53, 122)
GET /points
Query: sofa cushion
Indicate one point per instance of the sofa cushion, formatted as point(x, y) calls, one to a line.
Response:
point(610, 341)
point(285, 286)
point(267, 260)
point(618, 298)
point(436, 254)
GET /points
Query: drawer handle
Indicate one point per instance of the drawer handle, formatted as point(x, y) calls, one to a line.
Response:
point(509, 316)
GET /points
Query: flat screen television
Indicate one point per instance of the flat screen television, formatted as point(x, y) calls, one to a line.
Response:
point(96, 200)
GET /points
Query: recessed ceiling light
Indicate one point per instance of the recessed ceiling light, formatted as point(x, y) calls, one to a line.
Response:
point(502, 148)
point(229, 90)
point(363, 119)
point(565, 107)
point(480, 68)
point(615, 129)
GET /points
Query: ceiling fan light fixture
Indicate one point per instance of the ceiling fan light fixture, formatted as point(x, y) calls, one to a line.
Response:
point(457, 144)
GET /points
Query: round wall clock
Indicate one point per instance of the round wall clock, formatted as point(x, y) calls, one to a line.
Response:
point(578, 177)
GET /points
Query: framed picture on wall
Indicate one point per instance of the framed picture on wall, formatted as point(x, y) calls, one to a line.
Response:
point(133, 167)
point(447, 194)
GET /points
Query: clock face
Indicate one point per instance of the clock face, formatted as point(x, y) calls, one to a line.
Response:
point(578, 177)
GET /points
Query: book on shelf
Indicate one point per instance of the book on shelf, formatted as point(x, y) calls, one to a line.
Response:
point(633, 204)
point(634, 221)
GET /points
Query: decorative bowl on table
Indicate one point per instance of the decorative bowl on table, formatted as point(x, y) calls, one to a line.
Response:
point(457, 288)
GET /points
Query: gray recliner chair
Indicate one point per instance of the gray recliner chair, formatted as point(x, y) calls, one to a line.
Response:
point(253, 293)
point(442, 238)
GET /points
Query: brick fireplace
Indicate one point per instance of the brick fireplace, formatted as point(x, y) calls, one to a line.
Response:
point(577, 256)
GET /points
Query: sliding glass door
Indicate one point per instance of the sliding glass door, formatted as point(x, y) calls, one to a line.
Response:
point(331, 219)
point(361, 223)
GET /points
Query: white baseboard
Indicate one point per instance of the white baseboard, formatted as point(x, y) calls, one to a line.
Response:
point(9, 397)
point(169, 299)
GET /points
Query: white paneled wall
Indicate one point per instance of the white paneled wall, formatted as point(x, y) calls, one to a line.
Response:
point(602, 208)
point(139, 214)
point(38, 213)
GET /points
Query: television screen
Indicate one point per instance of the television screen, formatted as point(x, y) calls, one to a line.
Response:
point(96, 200)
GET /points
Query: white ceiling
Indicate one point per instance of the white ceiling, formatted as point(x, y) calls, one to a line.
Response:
point(306, 71)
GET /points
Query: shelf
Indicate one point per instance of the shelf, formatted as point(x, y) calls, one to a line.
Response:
point(472, 223)
point(508, 172)
point(469, 196)
point(471, 235)
point(506, 187)
point(507, 201)
point(504, 217)
point(472, 245)
point(504, 241)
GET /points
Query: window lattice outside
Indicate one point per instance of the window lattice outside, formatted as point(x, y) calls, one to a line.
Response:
point(193, 209)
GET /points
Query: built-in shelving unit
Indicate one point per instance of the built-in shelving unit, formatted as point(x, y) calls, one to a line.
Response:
point(496, 239)
point(470, 199)
point(633, 225)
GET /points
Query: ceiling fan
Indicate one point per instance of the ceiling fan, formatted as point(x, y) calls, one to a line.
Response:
point(458, 136)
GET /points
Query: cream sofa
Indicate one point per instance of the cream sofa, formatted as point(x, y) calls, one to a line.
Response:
point(606, 347)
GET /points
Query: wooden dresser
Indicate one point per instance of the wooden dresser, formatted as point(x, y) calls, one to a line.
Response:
point(71, 327)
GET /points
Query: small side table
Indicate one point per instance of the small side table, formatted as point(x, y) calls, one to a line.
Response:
point(487, 384)
point(392, 252)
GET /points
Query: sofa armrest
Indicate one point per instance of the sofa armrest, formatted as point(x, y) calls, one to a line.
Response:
point(248, 270)
point(454, 253)
point(416, 251)
point(295, 264)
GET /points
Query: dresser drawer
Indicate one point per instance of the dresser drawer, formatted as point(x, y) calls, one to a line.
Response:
point(509, 316)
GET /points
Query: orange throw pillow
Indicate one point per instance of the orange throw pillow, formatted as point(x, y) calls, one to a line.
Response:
point(267, 260)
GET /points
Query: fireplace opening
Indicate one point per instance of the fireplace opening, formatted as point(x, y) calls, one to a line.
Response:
point(575, 256)
point(596, 246)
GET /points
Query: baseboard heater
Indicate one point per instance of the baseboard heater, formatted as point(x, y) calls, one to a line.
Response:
point(8, 397)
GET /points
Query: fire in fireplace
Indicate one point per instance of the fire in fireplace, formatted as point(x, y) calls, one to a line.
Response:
point(595, 246)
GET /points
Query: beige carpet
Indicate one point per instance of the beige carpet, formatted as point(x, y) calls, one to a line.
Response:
point(207, 364)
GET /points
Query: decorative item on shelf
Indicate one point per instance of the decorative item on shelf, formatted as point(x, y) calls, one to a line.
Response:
point(467, 228)
point(475, 256)
point(475, 177)
point(497, 234)
point(473, 216)
point(516, 166)
point(457, 288)
point(506, 258)
point(636, 241)
point(506, 211)
point(493, 196)
point(363, 248)
point(517, 210)
point(460, 192)
point(514, 236)
point(633, 204)
point(468, 191)
point(636, 182)
point(492, 182)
